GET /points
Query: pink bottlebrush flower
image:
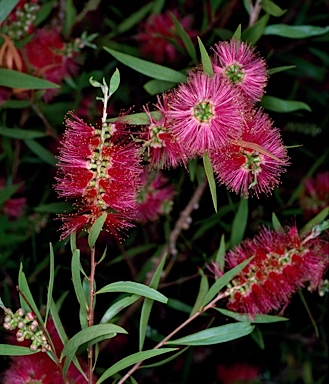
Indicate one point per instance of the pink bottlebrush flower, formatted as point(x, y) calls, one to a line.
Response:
point(101, 172)
point(238, 373)
point(315, 196)
point(282, 263)
point(204, 113)
point(242, 66)
point(254, 160)
point(155, 196)
point(163, 149)
point(155, 33)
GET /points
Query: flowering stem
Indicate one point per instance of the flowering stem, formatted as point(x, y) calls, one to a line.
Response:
point(254, 12)
point(173, 333)
point(91, 312)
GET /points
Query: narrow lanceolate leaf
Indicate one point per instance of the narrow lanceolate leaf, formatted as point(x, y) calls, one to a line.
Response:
point(254, 33)
point(115, 81)
point(147, 68)
point(224, 280)
point(131, 360)
point(140, 118)
point(319, 218)
point(239, 222)
point(76, 278)
point(148, 303)
point(220, 257)
point(180, 31)
point(272, 9)
point(155, 87)
point(51, 279)
point(24, 288)
point(215, 335)
point(88, 334)
point(211, 179)
point(295, 31)
point(237, 33)
point(245, 317)
point(205, 59)
point(203, 290)
point(272, 71)
point(279, 105)
point(6, 6)
point(135, 288)
point(16, 133)
point(6, 192)
point(117, 307)
point(15, 79)
point(15, 350)
point(41, 152)
point(276, 223)
point(95, 230)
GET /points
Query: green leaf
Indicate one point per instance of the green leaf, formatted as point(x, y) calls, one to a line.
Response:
point(278, 105)
point(76, 278)
point(211, 179)
point(239, 222)
point(41, 152)
point(215, 335)
point(16, 133)
point(69, 19)
point(255, 32)
point(51, 279)
point(272, 9)
point(180, 31)
point(15, 79)
point(15, 350)
point(7, 192)
point(117, 307)
point(276, 223)
point(220, 257)
point(6, 6)
point(147, 68)
point(115, 81)
point(237, 34)
point(59, 207)
point(205, 59)
point(95, 230)
point(179, 306)
point(295, 31)
point(272, 71)
point(224, 280)
point(203, 290)
point(155, 87)
point(58, 323)
point(321, 216)
point(257, 336)
point(131, 360)
point(245, 317)
point(16, 104)
point(135, 288)
point(24, 288)
point(164, 361)
point(148, 303)
point(141, 118)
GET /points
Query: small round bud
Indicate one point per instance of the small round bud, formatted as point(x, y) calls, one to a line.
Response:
point(20, 324)
point(33, 347)
point(6, 326)
point(7, 319)
point(20, 312)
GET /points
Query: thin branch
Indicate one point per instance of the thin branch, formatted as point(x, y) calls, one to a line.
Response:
point(254, 12)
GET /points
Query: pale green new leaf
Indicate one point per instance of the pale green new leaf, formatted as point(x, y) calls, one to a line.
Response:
point(141, 118)
point(131, 360)
point(95, 230)
point(245, 317)
point(215, 335)
point(205, 59)
point(272, 9)
point(115, 81)
point(135, 288)
point(211, 179)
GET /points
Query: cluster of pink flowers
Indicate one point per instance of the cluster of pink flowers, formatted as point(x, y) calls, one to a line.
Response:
point(283, 262)
point(102, 171)
point(216, 115)
point(315, 196)
point(39, 367)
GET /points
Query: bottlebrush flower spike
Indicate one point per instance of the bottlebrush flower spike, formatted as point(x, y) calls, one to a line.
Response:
point(99, 169)
point(204, 113)
point(282, 263)
point(163, 149)
point(245, 70)
point(253, 161)
point(155, 197)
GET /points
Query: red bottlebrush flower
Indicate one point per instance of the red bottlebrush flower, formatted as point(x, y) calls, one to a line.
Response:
point(163, 149)
point(204, 113)
point(155, 33)
point(101, 172)
point(315, 196)
point(155, 197)
point(282, 263)
point(254, 161)
point(239, 373)
point(238, 62)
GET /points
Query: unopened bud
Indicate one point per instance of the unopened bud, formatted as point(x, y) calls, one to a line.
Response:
point(30, 316)
point(20, 312)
